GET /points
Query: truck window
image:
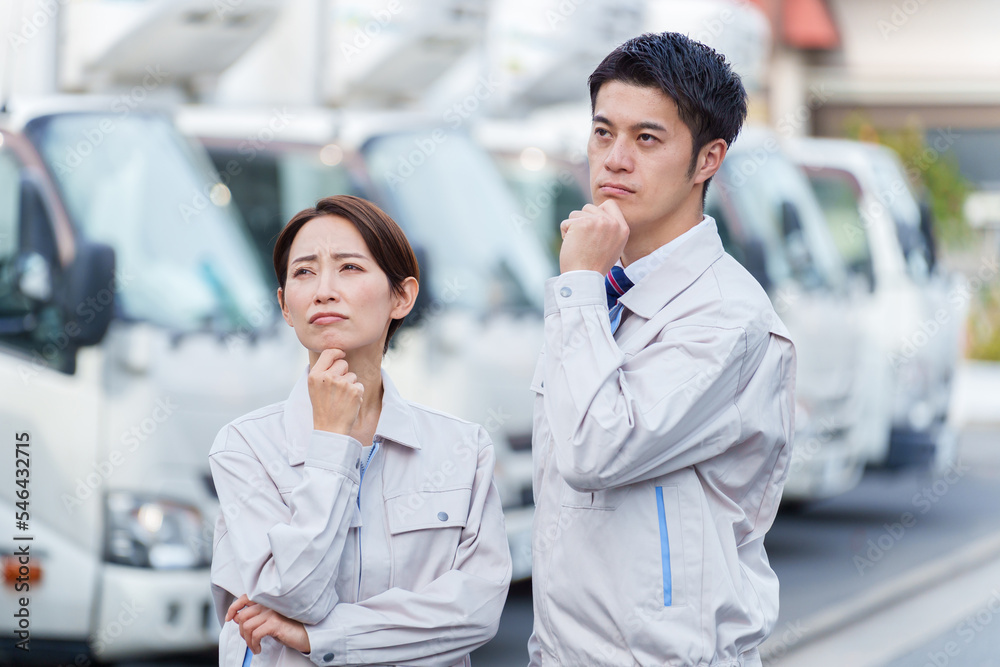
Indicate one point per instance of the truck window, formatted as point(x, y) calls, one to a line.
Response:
point(275, 185)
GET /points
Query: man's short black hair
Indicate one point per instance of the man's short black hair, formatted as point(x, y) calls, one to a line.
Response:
point(710, 97)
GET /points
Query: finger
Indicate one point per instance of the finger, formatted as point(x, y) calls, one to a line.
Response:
point(338, 367)
point(351, 378)
point(263, 629)
point(240, 602)
point(577, 214)
point(564, 227)
point(247, 627)
point(611, 206)
point(327, 358)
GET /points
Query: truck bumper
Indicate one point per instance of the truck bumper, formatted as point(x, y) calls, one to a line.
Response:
point(145, 612)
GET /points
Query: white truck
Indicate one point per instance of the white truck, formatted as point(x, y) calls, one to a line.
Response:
point(128, 335)
point(915, 312)
point(377, 127)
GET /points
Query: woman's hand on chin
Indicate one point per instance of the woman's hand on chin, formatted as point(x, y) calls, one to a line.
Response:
point(335, 393)
point(257, 622)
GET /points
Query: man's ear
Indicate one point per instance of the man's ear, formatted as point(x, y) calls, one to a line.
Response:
point(710, 158)
point(284, 308)
point(405, 298)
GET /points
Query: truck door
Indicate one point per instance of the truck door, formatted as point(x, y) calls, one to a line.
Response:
point(50, 391)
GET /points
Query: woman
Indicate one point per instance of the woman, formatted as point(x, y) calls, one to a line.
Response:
point(356, 528)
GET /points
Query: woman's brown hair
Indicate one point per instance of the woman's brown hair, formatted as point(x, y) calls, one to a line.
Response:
point(383, 236)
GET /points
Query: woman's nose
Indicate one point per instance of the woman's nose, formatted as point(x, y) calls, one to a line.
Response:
point(326, 288)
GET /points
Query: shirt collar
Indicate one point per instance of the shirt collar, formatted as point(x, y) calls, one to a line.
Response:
point(395, 423)
point(643, 266)
point(658, 281)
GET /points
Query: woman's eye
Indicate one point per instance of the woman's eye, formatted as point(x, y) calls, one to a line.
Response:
point(352, 267)
point(299, 272)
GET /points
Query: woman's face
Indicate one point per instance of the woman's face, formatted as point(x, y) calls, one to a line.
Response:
point(336, 295)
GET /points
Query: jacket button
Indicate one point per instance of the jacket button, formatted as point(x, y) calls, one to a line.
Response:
point(565, 292)
point(328, 657)
point(442, 516)
point(357, 464)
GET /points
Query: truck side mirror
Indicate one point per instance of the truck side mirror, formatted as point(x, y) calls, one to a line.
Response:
point(927, 231)
point(790, 221)
point(755, 261)
point(90, 293)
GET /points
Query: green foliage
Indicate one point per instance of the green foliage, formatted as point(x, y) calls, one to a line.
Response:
point(984, 324)
point(931, 171)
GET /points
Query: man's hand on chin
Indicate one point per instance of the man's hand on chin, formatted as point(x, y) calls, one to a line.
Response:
point(593, 238)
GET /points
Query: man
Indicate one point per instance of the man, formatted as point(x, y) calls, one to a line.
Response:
point(663, 414)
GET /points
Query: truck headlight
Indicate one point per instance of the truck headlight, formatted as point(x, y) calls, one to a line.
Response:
point(153, 532)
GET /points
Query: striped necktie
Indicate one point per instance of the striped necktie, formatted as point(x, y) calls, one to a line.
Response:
point(616, 283)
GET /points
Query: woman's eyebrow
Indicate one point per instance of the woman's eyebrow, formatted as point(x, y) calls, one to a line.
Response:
point(337, 256)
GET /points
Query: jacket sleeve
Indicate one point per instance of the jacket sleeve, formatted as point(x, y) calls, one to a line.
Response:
point(287, 552)
point(615, 420)
point(443, 621)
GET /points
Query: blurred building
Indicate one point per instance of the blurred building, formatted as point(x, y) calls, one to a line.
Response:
point(897, 62)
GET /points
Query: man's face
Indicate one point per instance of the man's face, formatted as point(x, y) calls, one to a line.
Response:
point(639, 153)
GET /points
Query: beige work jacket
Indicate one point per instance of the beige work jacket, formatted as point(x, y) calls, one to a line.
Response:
point(660, 455)
point(396, 559)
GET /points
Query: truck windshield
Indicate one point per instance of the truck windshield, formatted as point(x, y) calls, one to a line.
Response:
point(133, 182)
point(454, 206)
point(778, 181)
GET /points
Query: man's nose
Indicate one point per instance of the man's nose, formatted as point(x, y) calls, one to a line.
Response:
point(619, 157)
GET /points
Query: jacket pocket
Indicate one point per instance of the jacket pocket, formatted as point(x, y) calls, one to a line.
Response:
point(606, 499)
point(428, 509)
point(425, 531)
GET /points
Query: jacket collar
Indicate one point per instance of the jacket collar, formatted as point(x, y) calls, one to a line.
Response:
point(676, 273)
point(395, 423)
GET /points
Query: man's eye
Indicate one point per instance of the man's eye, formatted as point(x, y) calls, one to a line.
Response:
point(601, 132)
point(646, 137)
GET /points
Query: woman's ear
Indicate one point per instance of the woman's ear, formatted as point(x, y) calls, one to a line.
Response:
point(284, 307)
point(405, 297)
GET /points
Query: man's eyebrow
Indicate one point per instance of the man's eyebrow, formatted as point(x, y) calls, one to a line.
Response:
point(642, 125)
point(648, 125)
